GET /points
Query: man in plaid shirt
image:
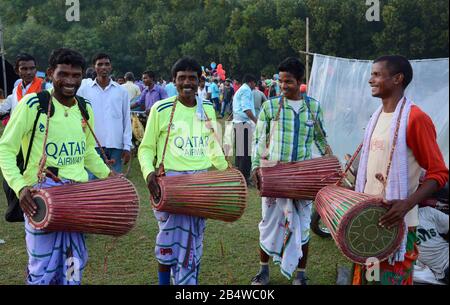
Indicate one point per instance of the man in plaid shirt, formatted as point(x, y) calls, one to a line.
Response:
point(284, 229)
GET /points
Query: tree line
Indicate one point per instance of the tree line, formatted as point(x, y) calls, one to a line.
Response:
point(243, 35)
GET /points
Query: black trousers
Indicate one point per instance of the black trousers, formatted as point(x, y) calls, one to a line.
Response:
point(243, 134)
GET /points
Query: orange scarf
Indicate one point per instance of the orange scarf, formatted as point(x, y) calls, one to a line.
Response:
point(36, 86)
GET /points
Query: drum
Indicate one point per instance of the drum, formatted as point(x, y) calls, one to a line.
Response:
point(352, 218)
point(298, 180)
point(220, 195)
point(108, 207)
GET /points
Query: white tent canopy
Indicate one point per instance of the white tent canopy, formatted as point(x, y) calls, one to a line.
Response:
point(341, 86)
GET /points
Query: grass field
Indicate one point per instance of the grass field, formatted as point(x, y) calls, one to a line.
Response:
point(131, 261)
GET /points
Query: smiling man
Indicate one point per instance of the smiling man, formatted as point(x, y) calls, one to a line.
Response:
point(191, 148)
point(284, 228)
point(400, 138)
point(52, 256)
point(112, 112)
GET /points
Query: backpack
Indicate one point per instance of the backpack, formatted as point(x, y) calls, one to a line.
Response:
point(13, 212)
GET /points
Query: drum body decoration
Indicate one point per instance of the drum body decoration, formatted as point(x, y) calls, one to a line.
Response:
point(298, 180)
point(352, 218)
point(220, 195)
point(109, 206)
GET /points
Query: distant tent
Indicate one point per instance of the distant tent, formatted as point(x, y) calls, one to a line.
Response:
point(11, 76)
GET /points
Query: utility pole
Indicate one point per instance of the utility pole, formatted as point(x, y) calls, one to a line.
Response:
point(2, 54)
point(307, 50)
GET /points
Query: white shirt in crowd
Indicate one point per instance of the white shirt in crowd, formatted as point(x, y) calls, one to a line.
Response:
point(111, 108)
point(132, 89)
point(8, 104)
point(202, 93)
point(11, 101)
point(86, 81)
point(433, 249)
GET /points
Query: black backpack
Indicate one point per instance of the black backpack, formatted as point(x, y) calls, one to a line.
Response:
point(14, 213)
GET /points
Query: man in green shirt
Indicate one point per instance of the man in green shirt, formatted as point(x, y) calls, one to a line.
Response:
point(284, 229)
point(59, 257)
point(191, 147)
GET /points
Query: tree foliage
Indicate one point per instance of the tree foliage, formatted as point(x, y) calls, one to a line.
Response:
point(243, 35)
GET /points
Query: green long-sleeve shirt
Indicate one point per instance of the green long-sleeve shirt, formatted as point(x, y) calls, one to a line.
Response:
point(293, 135)
point(70, 146)
point(191, 145)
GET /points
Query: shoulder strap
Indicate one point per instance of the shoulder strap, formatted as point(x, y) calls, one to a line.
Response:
point(43, 85)
point(81, 101)
point(208, 124)
point(316, 123)
point(272, 127)
point(44, 99)
point(161, 170)
point(27, 158)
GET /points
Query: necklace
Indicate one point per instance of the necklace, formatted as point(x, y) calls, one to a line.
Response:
point(67, 108)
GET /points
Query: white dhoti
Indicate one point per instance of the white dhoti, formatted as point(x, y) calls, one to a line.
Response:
point(284, 228)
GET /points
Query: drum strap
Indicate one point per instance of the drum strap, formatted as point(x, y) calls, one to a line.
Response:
point(277, 118)
point(40, 174)
point(316, 122)
point(216, 136)
point(380, 177)
point(272, 128)
point(358, 150)
point(42, 171)
point(208, 125)
point(161, 171)
point(85, 115)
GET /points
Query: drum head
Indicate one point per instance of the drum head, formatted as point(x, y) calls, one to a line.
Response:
point(41, 212)
point(156, 201)
point(360, 236)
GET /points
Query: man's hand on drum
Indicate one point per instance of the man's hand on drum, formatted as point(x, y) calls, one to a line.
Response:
point(395, 214)
point(126, 156)
point(254, 177)
point(26, 202)
point(152, 185)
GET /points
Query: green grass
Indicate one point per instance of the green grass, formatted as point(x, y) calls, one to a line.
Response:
point(131, 260)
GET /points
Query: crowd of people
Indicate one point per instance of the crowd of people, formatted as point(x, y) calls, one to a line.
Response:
point(178, 112)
